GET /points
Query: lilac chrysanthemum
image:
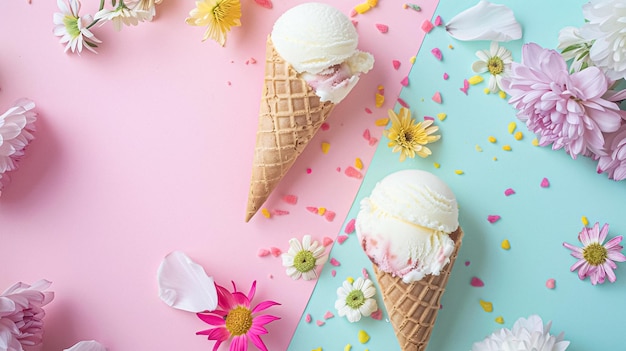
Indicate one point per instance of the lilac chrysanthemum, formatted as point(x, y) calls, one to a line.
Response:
point(17, 125)
point(567, 111)
point(614, 162)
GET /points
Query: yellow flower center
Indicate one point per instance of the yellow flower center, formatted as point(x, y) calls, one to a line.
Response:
point(595, 254)
point(71, 25)
point(239, 321)
point(495, 65)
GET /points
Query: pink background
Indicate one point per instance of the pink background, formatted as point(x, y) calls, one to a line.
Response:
point(146, 148)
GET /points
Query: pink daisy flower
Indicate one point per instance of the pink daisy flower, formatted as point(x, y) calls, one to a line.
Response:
point(234, 319)
point(596, 259)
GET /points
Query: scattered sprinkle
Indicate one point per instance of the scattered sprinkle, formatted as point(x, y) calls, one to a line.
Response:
point(366, 134)
point(535, 142)
point(308, 318)
point(493, 218)
point(263, 252)
point(518, 135)
point(429, 118)
point(511, 127)
point(476, 282)
point(458, 171)
point(275, 251)
point(365, 274)
point(405, 81)
point(350, 280)
point(325, 147)
point(353, 173)
point(412, 59)
point(551, 283)
point(312, 209)
point(584, 220)
point(330, 216)
point(328, 315)
point(290, 199)
point(509, 192)
point(362, 8)
point(436, 165)
point(437, 53)
point(363, 337)
point(427, 26)
point(412, 7)
point(368, 111)
point(372, 141)
point(327, 241)
point(506, 244)
point(467, 263)
point(377, 315)
point(499, 320)
point(277, 212)
point(492, 139)
point(333, 273)
point(506, 148)
point(450, 47)
point(441, 116)
point(446, 76)
point(486, 91)
point(502, 94)
point(380, 99)
point(395, 64)
point(487, 306)
point(383, 28)
point(348, 347)
point(403, 103)
point(381, 122)
point(325, 126)
point(466, 86)
point(350, 226)
point(358, 163)
point(319, 324)
point(437, 97)
point(317, 349)
point(475, 80)
point(266, 213)
point(495, 158)
point(545, 183)
point(321, 211)
point(309, 171)
point(334, 262)
point(341, 238)
point(438, 21)
point(265, 3)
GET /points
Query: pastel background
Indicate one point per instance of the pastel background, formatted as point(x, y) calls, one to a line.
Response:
point(146, 148)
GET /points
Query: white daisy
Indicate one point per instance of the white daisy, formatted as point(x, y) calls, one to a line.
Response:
point(125, 13)
point(497, 61)
point(356, 299)
point(302, 259)
point(574, 47)
point(72, 28)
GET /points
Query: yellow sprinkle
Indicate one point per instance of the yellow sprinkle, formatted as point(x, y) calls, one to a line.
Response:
point(372, 3)
point(499, 320)
point(380, 99)
point(405, 6)
point(518, 135)
point(475, 80)
point(380, 87)
point(266, 213)
point(350, 280)
point(442, 116)
point(450, 46)
point(502, 94)
point(478, 148)
point(347, 348)
point(362, 8)
point(506, 148)
point(381, 122)
point(436, 165)
point(585, 221)
point(506, 244)
point(487, 91)
point(321, 211)
point(487, 306)
point(535, 142)
point(358, 163)
point(495, 158)
point(412, 59)
point(492, 139)
point(363, 337)
point(325, 147)
point(458, 171)
point(317, 349)
point(512, 127)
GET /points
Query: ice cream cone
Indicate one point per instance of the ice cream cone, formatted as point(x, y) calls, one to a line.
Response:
point(289, 116)
point(413, 308)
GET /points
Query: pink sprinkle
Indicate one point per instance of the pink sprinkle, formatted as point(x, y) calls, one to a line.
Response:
point(320, 323)
point(437, 97)
point(365, 274)
point(438, 21)
point(350, 226)
point(354, 23)
point(308, 318)
point(325, 126)
point(309, 171)
point(353, 13)
point(368, 111)
point(327, 241)
point(467, 263)
point(377, 315)
point(427, 26)
point(550, 283)
point(353, 173)
point(229, 83)
point(366, 134)
point(509, 192)
point(476, 282)
point(446, 76)
point(330, 215)
point(338, 169)
point(383, 28)
point(403, 103)
point(252, 60)
point(328, 315)
point(396, 64)
point(428, 118)
point(290, 199)
point(341, 238)
point(271, 276)
point(465, 86)
point(263, 252)
point(333, 273)
point(405, 81)
point(493, 218)
point(280, 212)
point(373, 141)
point(275, 251)
point(334, 262)
point(312, 209)
point(545, 183)
point(437, 53)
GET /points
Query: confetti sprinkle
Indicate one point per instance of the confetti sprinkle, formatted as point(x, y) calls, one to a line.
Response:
point(266, 213)
point(325, 126)
point(584, 220)
point(327, 241)
point(545, 183)
point(412, 59)
point(492, 139)
point(330, 216)
point(290, 199)
point(467, 263)
point(325, 147)
point(478, 148)
point(309, 171)
point(395, 64)
point(429, 118)
point(499, 320)
point(437, 53)
point(518, 135)
point(476, 282)
point(372, 141)
point(312, 209)
point(350, 280)
point(333, 273)
point(458, 171)
point(363, 337)
point(264, 3)
point(427, 26)
point(348, 347)
point(275, 251)
point(381, 122)
point(321, 211)
point(362, 8)
point(358, 163)
point(380, 99)
point(437, 97)
point(441, 116)
point(506, 148)
point(486, 91)
point(341, 238)
point(368, 111)
point(412, 7)
point(403, 103)
point(350, 226)
point(377, 315)
point(366, 134)
point(328, 315)
point(308, 318)
point(319, 324)
point(436, 165)
point(506, 244)
point(493, 218)
point(466, 86)
point(263, 252)
point(487, 306)
point(446, 76)
point(405, 81)
point(365, 274)
point(334, 262)
point(383, 28)
point(353, 173)
point(502, 94)
point(535, 142)
point(475, 80)
point(438, 21)
point(509, 192)
point(511, 127)
point(317, 349)
point(551, 283)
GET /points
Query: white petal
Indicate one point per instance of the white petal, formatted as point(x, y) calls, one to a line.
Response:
point(184, 285)
point(485, 21)
point(87, 346)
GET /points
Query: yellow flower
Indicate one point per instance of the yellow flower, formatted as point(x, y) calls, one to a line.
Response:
point(408, 137)
point(218, 15)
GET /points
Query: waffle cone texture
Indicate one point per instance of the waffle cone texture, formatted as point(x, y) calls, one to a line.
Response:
point(413, 308)
point(289, 116)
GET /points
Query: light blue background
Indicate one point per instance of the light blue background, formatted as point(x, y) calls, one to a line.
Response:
point(535, 220)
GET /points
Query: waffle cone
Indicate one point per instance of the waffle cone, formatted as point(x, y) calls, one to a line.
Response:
point(289, 116)
point(413, 308)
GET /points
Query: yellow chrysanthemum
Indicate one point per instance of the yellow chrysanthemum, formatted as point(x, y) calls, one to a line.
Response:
point(218, 15)
point(408, 137)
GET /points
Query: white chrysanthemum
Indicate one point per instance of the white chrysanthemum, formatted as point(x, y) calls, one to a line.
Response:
point(17, 125)
point(72, 28)
point(606, 27)
point(302, 259)
point(355, 300)
point(574, 47)
point(148, 6)
point(497, 61)
point(124, 14)
point(527, 334)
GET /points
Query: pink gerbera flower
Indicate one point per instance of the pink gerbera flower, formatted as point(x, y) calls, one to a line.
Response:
point(596, 259)
point(235, 319)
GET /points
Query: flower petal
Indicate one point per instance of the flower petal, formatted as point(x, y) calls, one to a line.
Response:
point(90, 345)
point(485, 21)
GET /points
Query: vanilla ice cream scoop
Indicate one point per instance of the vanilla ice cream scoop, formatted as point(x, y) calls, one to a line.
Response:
point(320, 43)
point(404, 225)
